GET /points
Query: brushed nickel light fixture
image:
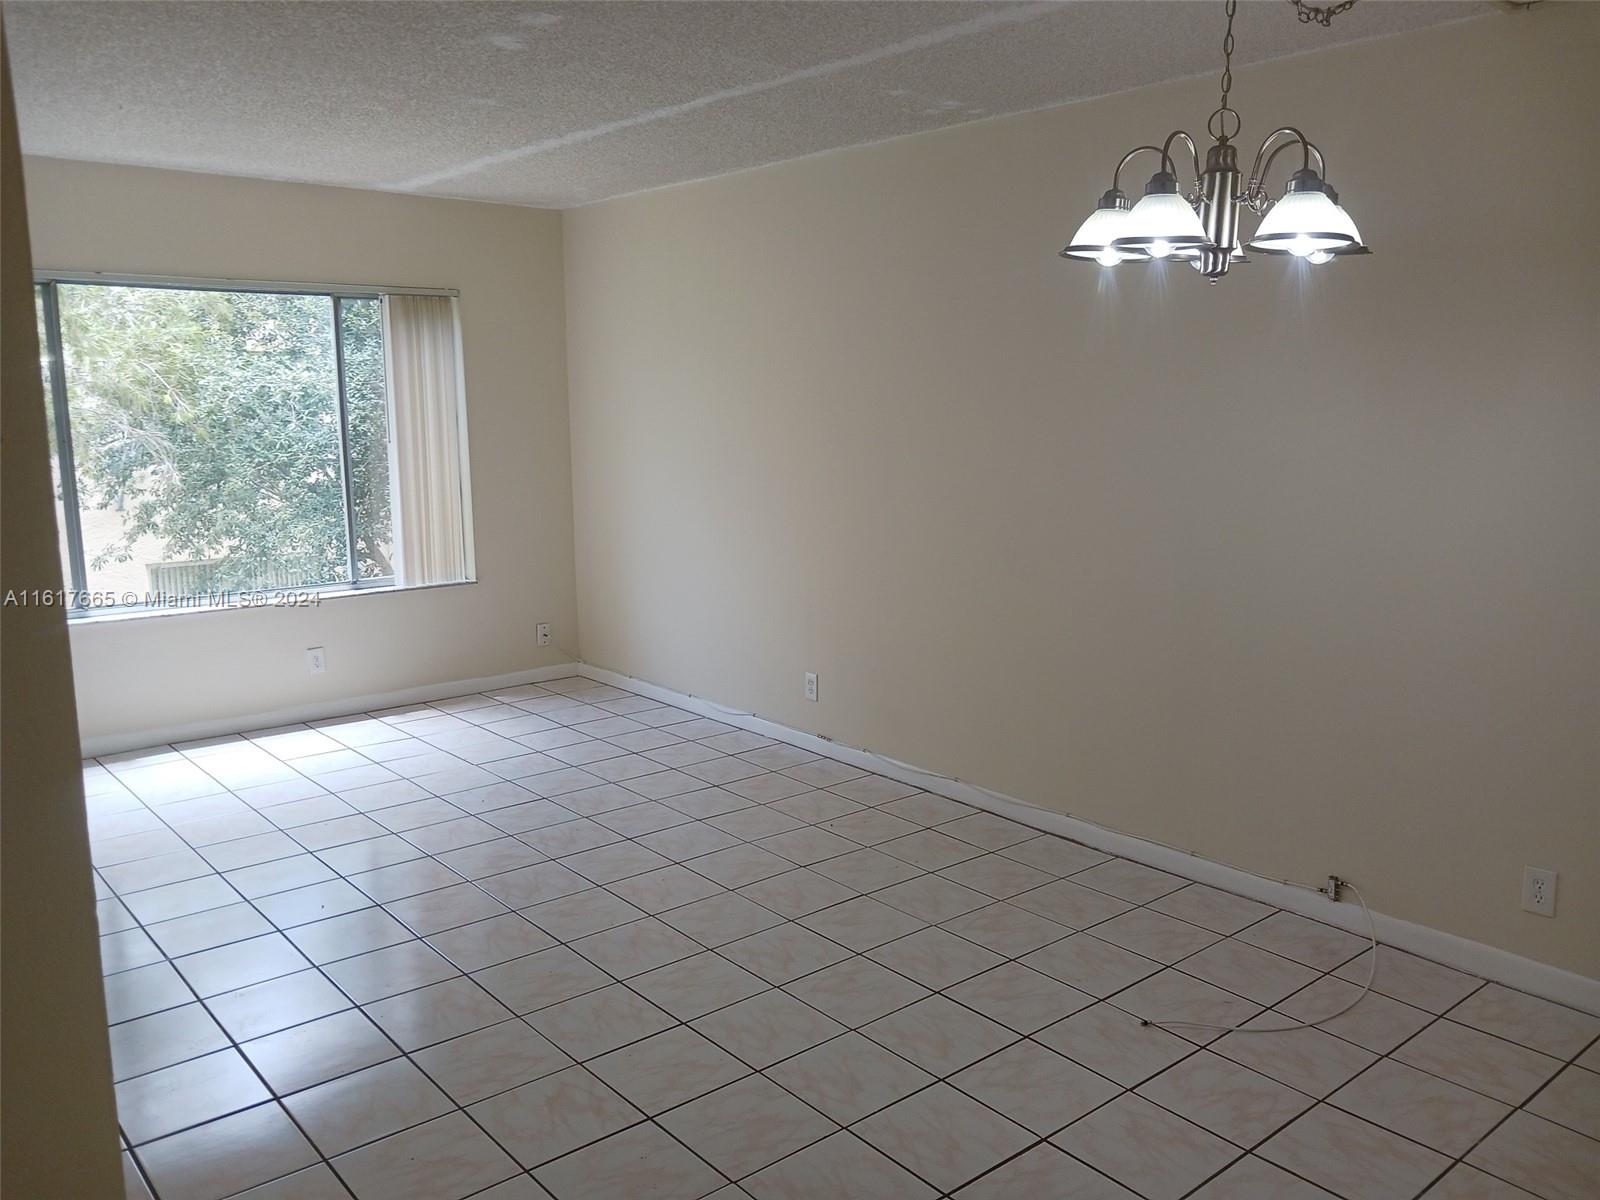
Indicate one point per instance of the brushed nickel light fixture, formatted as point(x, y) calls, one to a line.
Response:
point(1202, 226)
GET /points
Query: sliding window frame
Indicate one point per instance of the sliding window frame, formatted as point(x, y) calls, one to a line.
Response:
point(344, 445)
point(48, 281)
point(66, 465)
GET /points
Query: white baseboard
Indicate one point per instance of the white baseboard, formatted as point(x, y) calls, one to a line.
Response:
point(318, 710)
point(1476, 958)
point(1488, 962)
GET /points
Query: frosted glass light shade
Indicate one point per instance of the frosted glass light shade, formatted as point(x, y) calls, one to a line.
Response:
point(1347, 224)
point(1093, 240)
point(1161, 223)
point(1302, 223)
point(1358, 246)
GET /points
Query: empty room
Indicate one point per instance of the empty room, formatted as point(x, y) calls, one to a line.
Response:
point(800, 600)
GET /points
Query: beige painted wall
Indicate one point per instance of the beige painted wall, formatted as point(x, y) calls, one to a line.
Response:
point(165, 671)
point(59, 1139)
point(1299, 572)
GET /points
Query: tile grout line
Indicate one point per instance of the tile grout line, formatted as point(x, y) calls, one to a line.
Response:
point(980, 852)
point(274, 1096)
point(234, 1044)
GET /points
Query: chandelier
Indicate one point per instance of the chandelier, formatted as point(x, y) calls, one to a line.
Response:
point(1202, 227)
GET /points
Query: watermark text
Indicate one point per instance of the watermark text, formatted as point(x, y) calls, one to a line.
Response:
point(155, 601)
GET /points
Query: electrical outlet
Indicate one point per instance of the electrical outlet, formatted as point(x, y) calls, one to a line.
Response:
point(811, 686)
point(543, 633)
point(1539, 891)
point(316, 660)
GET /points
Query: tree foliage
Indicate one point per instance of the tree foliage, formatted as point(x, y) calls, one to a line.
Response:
point(210, 421)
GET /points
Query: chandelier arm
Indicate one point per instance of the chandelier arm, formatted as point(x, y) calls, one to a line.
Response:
point(1258, 172)
point(1308, 148)
point(1322, 163)
point(1116, 176)
point(1266, 143)
point(1194, 152)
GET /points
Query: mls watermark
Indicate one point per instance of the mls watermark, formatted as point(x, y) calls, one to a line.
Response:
point(158, 601)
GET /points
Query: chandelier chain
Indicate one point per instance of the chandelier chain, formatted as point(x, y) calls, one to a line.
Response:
point(1227, 54)
point(1217, 123)
point(1322, 16)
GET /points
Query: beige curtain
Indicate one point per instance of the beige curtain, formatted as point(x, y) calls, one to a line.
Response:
point(431, 504)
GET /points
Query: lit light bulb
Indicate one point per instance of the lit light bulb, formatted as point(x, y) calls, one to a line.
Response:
point(1159, 249)
point(1108, 258)
point(1301, 247)
point(1319, 257)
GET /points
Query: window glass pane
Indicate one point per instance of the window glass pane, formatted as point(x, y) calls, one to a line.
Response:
point(50, 430)
point(205, 433)
point(361, 328)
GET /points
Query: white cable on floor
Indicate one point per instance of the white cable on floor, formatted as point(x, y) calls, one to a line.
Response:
point(1372, 975)
point(728, 712)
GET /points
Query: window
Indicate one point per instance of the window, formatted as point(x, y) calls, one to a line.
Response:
point(214, 443)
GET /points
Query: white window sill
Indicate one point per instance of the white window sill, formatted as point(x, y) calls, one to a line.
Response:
point(287, 600)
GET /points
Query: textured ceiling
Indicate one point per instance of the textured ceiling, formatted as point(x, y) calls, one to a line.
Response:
point(560, 104)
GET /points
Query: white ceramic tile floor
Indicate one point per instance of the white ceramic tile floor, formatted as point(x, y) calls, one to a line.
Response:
point(565, 941)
